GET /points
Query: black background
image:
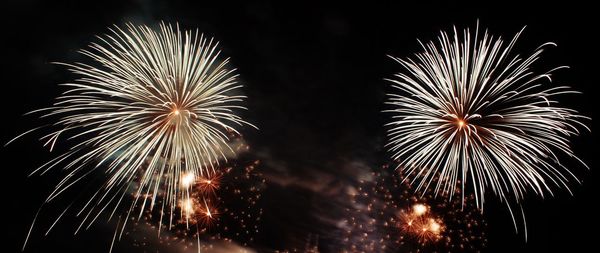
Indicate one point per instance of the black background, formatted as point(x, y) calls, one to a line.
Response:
point(313, 73)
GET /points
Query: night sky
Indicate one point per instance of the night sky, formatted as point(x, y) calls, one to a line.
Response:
point(313, 74)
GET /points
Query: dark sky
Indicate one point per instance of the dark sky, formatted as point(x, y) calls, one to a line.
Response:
point(313, 73)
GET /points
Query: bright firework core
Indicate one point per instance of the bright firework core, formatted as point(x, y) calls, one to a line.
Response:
point(461, 123)
point(434, 226)
point(188, 179)
point(178, 116)
point(419, 209)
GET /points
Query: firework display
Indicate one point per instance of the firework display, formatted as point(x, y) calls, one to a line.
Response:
point(387, 216)
point(147, 145)
point(155, 114)
point(467, 112)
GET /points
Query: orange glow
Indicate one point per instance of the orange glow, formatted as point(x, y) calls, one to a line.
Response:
point(434, 226)
point(207, 213)
point(176, 111)
point(188, 207)
point(461, 123)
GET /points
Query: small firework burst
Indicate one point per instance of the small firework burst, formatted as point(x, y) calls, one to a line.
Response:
point(387, 216)
point(417, 221)
point(210, 184)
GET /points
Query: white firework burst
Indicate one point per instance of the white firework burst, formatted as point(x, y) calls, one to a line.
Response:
point(153, 107)
point(469, 112)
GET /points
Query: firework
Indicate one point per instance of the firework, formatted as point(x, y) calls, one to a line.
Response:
point(468, 112)
point(153, 112)
point(386, 216)
point(418, 222)
point(209, 184)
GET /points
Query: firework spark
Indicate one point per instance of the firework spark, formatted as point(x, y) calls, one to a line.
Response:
point(154, 112)
point(387, 217)
point(209, 184)
point(470, 113)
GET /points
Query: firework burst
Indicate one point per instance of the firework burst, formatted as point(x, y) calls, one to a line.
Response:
point(153, 112)
point(470, 113)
